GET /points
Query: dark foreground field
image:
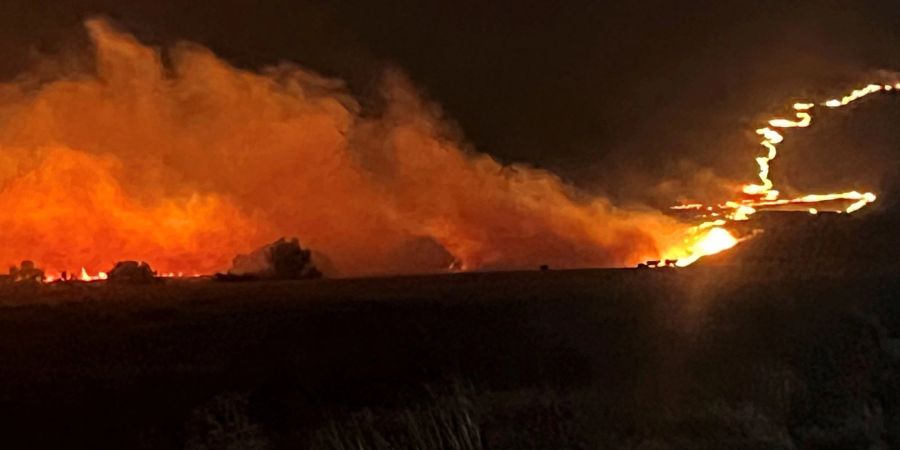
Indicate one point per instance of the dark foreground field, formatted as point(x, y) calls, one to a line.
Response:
point(644, 359)
point(790, 341)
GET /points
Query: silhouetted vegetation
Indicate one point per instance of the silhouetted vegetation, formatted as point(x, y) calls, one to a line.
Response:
point(26, 272)
point(774, 354)
point(283, 259)
point(131, 272)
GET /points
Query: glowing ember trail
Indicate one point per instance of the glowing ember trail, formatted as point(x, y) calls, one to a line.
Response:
point(711, 237)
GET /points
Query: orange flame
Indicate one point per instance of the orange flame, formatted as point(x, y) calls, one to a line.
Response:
point(188, 162)
point(702, 243)
point(87, 277)
point(715, 240)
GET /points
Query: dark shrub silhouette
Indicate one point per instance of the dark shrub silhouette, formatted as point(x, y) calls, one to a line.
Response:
point(131, 272)
point(283, 259)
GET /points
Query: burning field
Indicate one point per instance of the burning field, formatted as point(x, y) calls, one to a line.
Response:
point(184, 161)
point(176, 158)
point(206, 252)
point(712, 236)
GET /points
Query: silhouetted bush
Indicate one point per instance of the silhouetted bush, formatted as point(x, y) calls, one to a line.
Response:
point(283, 259)
point(27, 272)
point(131, 272)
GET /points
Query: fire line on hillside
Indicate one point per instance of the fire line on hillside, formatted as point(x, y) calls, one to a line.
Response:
point(101, 166)
point(712, 236)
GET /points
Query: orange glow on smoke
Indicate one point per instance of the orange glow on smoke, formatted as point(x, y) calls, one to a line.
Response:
point(72, 211)
point(187, 163)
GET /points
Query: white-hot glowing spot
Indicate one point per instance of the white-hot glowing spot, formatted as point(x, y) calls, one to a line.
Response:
point(711, 237)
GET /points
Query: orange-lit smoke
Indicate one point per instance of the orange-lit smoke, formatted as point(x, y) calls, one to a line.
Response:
point(187, 163)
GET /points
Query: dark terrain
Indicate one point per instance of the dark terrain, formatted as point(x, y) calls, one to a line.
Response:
point(744, 351)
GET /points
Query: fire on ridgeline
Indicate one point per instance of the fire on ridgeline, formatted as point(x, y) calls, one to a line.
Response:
point(177, 158)
point(713, 236)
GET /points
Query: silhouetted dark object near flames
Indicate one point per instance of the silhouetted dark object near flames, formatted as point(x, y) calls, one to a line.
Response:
point(27, 272)
point(132, 272)
point(656, 263)
point(283, 260)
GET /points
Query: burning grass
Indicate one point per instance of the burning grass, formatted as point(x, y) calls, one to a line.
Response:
point(179, 159)
point(712, 236)
point(175, 157)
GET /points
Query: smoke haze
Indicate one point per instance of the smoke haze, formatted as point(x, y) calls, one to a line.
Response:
point(178, 158)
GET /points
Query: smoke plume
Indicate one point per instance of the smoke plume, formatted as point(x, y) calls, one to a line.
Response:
point(179, 159)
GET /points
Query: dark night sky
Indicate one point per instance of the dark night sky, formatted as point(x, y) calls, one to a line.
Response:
point(589, 89)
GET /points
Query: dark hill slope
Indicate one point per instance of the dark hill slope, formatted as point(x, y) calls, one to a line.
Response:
point(714, 356)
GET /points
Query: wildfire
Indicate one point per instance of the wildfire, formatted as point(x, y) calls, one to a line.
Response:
point(711, 237)
point(174, 157)
point(715, 240)
point(83, 275)
point(87, 277)
point(177, 158)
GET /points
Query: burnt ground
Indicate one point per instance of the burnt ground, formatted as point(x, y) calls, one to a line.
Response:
point(718, 356)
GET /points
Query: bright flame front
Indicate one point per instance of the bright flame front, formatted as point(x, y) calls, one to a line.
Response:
point(715, 240)
point(712, 237)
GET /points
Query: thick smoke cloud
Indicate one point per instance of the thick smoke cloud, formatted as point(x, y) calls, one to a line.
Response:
point(182, 160)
